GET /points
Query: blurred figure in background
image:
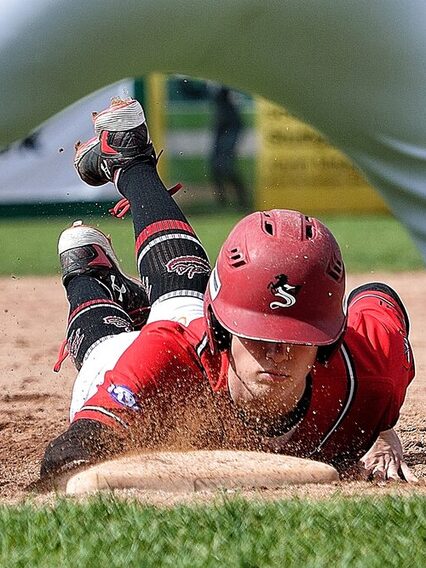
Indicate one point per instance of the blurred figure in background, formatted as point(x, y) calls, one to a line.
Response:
point(227, 127)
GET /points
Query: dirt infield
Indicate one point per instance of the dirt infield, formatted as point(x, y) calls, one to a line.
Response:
point(34, 400)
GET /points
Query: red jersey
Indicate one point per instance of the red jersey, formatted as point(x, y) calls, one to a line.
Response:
point(348, 401)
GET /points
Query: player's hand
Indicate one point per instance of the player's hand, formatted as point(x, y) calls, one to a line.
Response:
point(385, 460)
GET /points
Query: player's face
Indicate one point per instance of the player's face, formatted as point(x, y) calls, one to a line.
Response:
point(268, 378)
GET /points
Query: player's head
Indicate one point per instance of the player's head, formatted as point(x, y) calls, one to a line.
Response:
point(279, 277)
point(276, 292)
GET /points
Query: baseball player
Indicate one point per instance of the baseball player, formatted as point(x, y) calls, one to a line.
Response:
point(261, 352)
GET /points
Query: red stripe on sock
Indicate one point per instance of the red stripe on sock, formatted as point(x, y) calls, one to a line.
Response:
point(91, 303)
point(161, 226)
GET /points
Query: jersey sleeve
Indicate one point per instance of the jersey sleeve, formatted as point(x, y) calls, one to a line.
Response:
point(382, 351)
point(156, 369)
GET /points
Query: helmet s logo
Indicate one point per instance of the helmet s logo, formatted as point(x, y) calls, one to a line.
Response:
point(283, 290)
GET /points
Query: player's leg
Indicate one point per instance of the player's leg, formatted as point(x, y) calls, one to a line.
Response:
point(172, 263)
point(218, 175)
point(241, 191)
point(105, 305)
point(103, 301)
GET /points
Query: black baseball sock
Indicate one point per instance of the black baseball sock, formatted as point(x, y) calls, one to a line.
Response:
point(171, 260)
point(93, 316)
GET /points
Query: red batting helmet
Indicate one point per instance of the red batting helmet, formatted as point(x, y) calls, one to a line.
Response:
point(279, 277)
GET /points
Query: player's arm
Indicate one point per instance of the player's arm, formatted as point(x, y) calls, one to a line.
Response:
point(385, 459)
point(133, 407)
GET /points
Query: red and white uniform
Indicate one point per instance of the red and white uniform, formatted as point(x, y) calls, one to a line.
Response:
point(355, 396)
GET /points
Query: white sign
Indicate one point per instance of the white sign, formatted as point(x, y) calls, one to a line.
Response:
point(39, 169)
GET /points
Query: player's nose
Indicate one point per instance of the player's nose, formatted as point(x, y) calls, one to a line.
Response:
point(278, 352)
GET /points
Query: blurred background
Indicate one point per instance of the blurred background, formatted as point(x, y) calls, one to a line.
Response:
point(232, 152)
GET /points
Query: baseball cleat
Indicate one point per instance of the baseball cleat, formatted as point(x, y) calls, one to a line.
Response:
point(122, 137)
point(86, 250)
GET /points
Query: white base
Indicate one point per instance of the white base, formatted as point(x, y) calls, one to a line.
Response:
point(187, 472)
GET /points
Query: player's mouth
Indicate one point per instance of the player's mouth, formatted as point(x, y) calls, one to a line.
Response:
point(273, 376)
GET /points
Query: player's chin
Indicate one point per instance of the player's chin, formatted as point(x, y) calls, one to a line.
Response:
point(261, 400)
point(271, 396)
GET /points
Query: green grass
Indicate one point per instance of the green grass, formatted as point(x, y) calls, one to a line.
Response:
point(369, 243)
point(338, 532)
point(29, 245)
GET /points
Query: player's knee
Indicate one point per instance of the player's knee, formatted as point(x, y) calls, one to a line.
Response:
point(85, 442)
